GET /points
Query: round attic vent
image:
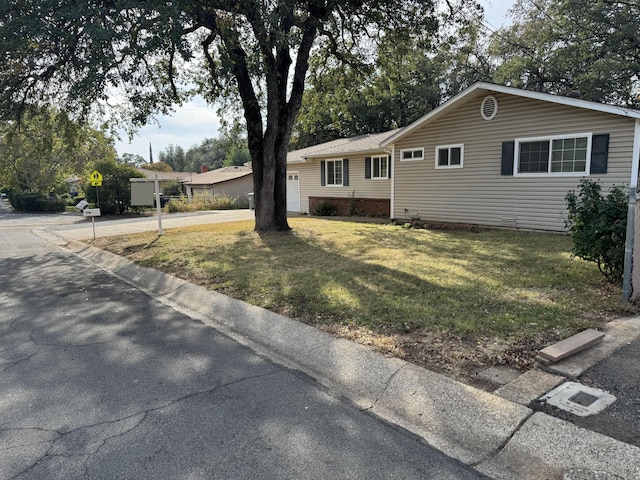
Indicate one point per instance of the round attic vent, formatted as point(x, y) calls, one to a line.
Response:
point(489, 107)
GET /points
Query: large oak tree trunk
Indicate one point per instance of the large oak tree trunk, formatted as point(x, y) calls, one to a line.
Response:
point(270, 193)
point(270, 188)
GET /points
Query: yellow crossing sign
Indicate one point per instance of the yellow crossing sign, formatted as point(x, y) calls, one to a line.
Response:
point(96, 179)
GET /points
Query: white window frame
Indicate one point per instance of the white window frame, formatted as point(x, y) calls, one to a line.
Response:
point(448, 148)
point(413, 152)
point(379, 158)
point(550, 139)
point(326, 172)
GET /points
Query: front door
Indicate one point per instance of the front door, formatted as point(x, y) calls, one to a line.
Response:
point(293, 192)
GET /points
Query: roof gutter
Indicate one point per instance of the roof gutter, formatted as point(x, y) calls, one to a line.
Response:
point(627, 286)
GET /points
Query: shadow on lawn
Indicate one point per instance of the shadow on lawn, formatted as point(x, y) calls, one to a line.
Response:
point(496, 294)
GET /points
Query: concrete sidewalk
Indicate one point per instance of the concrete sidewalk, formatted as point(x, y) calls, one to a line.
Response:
point(83, 229)
point(496, 433)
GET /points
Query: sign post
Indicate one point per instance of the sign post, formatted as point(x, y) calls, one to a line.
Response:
point(146, 192)
point(96, 181)
point(158, 206)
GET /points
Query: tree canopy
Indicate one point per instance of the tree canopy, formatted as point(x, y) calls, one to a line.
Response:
point(557, 46)
point(228, 149)
point(552, 46)
point(410, 74)
point(38, 154)
point(151, 53)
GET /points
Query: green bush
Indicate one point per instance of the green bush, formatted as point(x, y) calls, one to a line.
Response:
point(598, 226)
point(114, 196)
point(36, 202)
point(171, 188)
point(325, 208)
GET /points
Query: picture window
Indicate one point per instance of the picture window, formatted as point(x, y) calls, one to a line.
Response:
point(553, 155)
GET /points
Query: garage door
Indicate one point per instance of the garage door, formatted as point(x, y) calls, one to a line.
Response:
point(293, 192)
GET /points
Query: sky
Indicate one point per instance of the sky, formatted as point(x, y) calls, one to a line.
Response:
point(195, 121)
point(495, 12)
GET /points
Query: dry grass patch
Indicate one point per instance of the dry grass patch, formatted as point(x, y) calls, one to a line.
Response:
point(449, 300)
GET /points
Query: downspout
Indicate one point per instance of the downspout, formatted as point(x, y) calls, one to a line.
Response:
point(393, 181)
point(627, 287)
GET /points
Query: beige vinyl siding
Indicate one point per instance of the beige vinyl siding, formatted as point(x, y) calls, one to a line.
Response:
point(478, 193)
point(236, 187)
point(360, 187)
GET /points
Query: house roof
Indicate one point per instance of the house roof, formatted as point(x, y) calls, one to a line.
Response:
point(361, 144)
point(482, 88)
point(164, 175)
point(219, 175)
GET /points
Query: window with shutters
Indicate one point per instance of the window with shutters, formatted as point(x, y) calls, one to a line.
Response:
point(565, 155)
point(380, 167)
point(334, 173)
point(449, 156)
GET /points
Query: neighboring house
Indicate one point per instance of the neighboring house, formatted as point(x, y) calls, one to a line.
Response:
point(74, 185)
point(229, 181)
point(501, 156)
point(165, 176)
point(352, 174)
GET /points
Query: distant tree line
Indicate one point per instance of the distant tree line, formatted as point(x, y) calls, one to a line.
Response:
point(227, 150)
point(213, 153)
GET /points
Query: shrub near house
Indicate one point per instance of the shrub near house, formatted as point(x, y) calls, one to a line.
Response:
point(598, 226)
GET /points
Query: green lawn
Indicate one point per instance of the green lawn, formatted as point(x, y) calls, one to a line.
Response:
point(500, 285)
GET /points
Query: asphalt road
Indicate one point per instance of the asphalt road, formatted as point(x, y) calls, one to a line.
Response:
point(619, 375)
point(100, 381)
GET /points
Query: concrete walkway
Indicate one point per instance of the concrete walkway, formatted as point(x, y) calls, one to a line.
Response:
point(496, 433)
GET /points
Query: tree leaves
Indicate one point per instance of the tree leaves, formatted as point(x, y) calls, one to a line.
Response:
point(37, 154)
point(559, 46)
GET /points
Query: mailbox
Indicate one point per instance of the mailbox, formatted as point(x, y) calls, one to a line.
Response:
point(91, 212)
point(82, 204)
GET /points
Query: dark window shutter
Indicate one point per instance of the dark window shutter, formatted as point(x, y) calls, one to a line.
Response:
point(508, 150)
point(367, 167)
point(389, 166)
point(599, 153)
point(345, 172)
point(323, 173)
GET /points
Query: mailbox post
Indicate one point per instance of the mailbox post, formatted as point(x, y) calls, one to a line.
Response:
point(93, 213)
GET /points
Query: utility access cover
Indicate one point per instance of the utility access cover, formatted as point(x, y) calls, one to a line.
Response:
point(578, 399)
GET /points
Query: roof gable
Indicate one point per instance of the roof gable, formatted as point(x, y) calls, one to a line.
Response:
point(482, 88)
point(219, 175)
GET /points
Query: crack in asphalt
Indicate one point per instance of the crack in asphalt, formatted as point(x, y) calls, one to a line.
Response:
point(5, 366)
point(9, 365)
point(102, 442)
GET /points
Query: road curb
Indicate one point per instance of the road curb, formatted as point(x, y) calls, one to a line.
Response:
point(498, 437)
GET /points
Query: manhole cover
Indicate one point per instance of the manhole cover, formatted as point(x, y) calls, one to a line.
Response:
point(578, 399)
